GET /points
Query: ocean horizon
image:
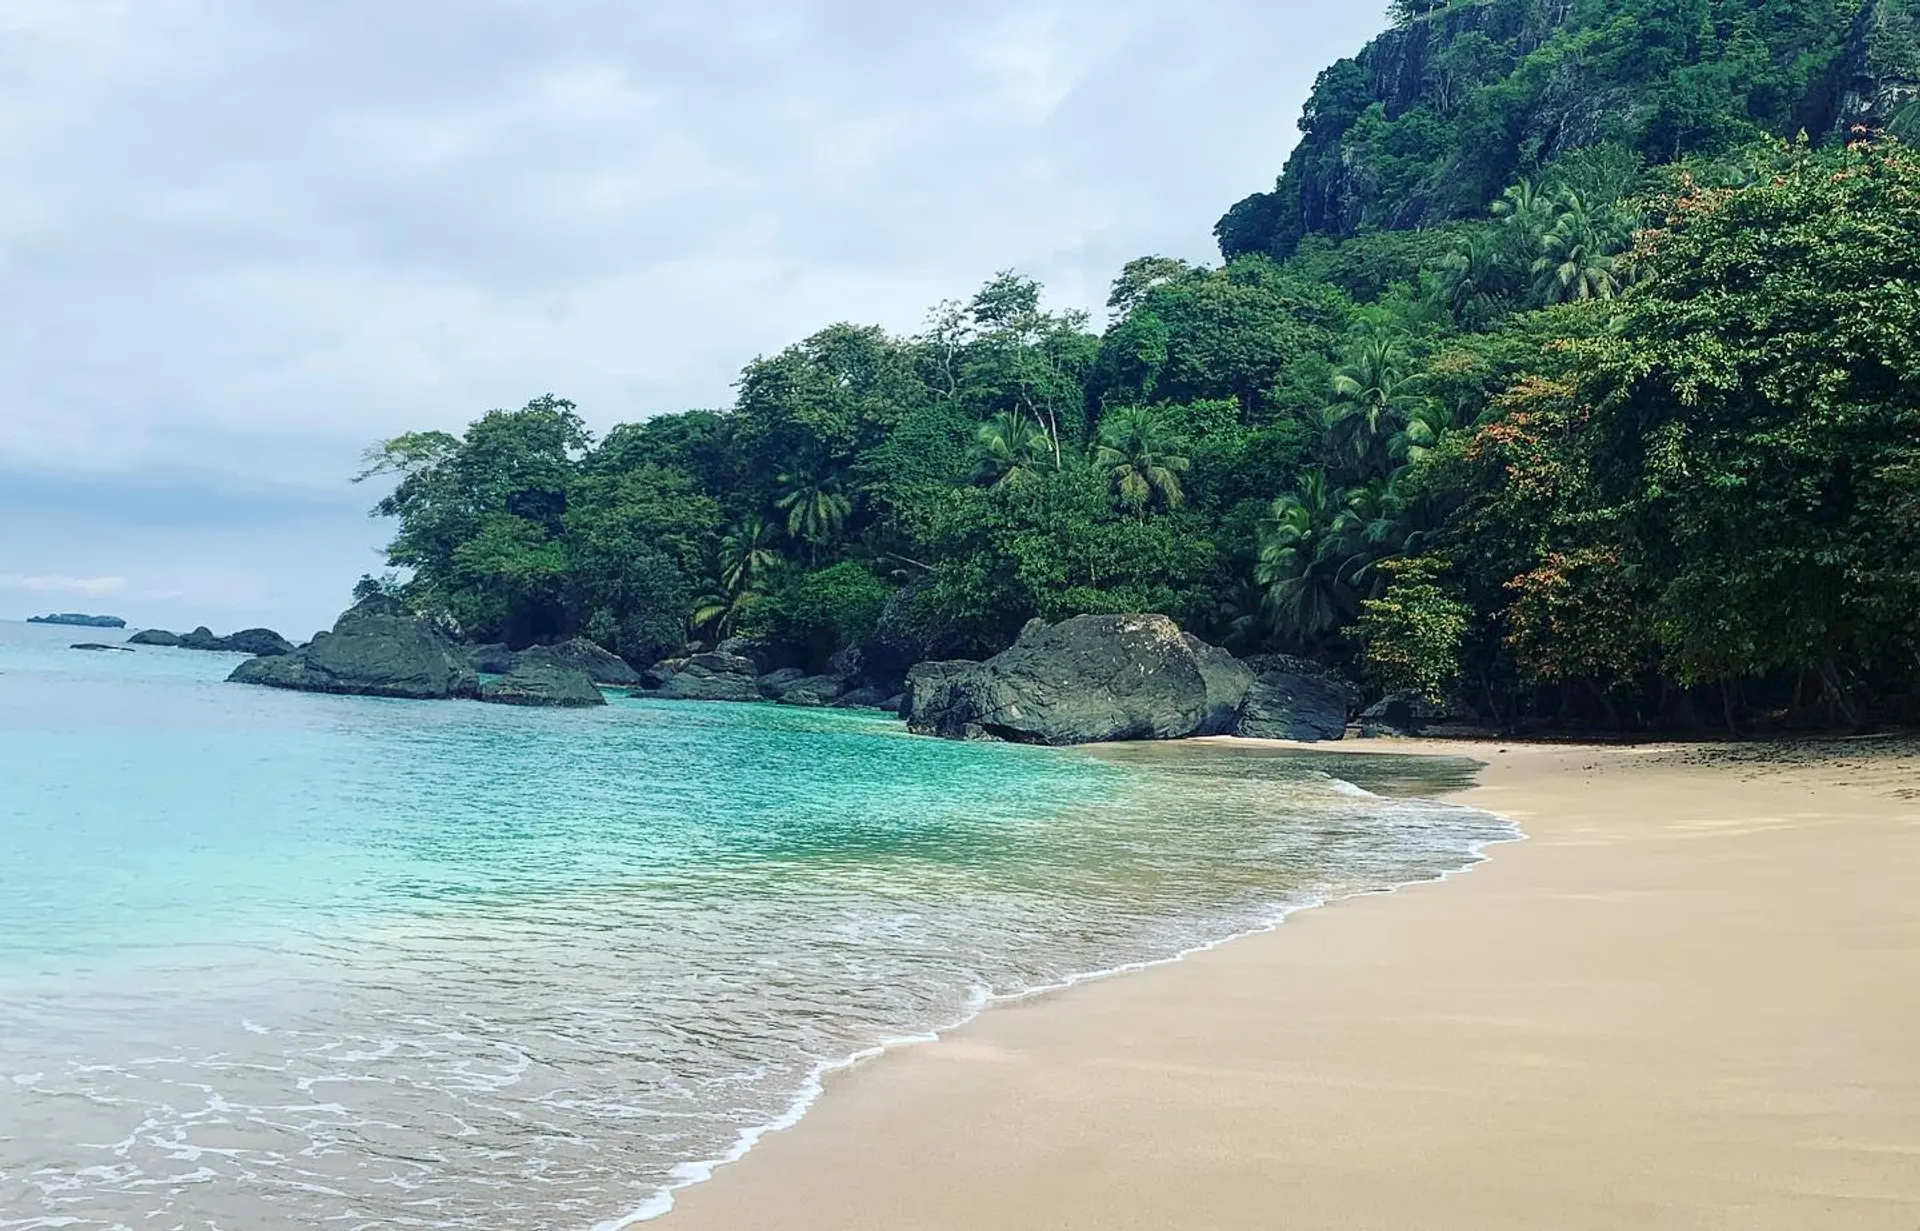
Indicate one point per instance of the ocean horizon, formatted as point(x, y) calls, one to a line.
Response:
point(282, 960)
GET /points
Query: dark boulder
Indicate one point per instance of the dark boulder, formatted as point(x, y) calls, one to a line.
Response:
point(201, 638)
point(825, 687)
point(261, 642)
point(773, 683)
point(493, 659)
point(1410, 713)
point(1086, 680)
point(765, 655)
point(1228, 682)
point(96, 647)
point(1295, 699)
point(537, 683)
point(904, 637)
point(710, 676)
point(806, 698)
point(928, 680)
point(375, 649)
point(865, 697)
point(597, 664)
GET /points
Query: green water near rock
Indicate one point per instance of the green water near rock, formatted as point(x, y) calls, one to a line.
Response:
point(273, 960)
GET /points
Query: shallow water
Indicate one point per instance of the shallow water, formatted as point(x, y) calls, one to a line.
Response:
point(270, 960)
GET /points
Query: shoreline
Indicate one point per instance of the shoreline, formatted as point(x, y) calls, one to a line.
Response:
point(689, 1175)
point(949, 1136)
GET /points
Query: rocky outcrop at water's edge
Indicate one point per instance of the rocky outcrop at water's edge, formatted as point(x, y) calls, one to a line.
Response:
point(376, 650)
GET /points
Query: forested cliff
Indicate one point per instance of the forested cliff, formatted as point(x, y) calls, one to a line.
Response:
point(1570, 373)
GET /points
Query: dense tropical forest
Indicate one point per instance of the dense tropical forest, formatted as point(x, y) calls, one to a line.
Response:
point(1569, 374)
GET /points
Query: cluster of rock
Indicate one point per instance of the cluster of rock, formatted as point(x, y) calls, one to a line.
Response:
point(579, 655)
point(376, 649)
point(1089, 679)
point(1094, 679)
point(732, 672)
point(260, 642)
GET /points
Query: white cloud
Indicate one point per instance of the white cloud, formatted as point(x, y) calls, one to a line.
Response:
point(54, 583)
point(239, 241)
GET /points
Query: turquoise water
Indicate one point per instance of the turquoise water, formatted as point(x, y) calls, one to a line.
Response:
point(270, 960)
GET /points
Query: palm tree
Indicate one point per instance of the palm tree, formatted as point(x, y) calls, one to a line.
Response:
point(746, 554)
point(1473, 276)
point(1524, 208)
point(1012, 449)
point(1372, 394)
point(1139, 452)
point(1427, 425)
point(1580, 254)
point(721, 612)
point(1301, 562)
point(815, 506)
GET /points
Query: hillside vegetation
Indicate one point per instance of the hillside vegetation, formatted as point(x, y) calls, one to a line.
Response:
point(1570, 374)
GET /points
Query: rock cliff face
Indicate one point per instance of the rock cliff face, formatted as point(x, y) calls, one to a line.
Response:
point(1436, 116)
point(1883, 70)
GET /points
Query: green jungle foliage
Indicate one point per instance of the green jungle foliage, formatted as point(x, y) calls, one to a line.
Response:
point(1625, 432)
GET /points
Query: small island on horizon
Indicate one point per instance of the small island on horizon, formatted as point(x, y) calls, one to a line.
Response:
point(79, 621)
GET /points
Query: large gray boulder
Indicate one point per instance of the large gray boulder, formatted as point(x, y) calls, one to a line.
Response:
point(773, 683)
point(155, 636)
point(375, 650)
point(925, 681)
point(532, 682)
point(1087, 680)
point(597, 664)
point(1227, 681)
point(710, 676)
point(1295, 699)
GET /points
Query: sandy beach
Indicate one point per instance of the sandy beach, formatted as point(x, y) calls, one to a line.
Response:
point(1691, 999)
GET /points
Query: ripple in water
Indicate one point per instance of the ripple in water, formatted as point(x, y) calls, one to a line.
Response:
point(273, 961)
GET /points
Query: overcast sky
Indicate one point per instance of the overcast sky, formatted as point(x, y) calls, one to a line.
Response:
point(241, 240)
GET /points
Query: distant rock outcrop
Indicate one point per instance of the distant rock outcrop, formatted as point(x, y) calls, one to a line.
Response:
point(535, 683)
point(75, 620)
point(96, 647)
point(261, 642)
point(1086, 680)
point(376, 650)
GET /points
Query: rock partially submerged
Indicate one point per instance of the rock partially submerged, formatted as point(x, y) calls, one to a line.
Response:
point(711, 676)
point(1086, 680)
point(260, 642)
point(597, 664)
point(97, 648)
point(535, 683)
point(375, 650)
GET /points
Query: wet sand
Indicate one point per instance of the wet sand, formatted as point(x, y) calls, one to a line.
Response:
point(1691, 999)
